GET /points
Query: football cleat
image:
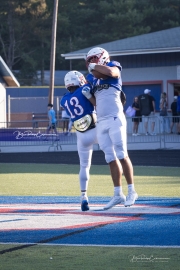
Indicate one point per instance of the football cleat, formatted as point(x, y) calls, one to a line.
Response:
point(84, 205)
point(130, 199)
point(115, 200)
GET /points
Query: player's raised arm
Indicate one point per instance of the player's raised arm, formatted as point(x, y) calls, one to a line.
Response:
point(104, 70)
point(86, 91)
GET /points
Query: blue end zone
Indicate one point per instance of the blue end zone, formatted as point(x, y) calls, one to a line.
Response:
point(75, 199)
point(151, 221)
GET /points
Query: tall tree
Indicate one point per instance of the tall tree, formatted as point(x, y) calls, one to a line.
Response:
point(89, 23)
point(159, 15)
point(20, 36)
point(25, 28)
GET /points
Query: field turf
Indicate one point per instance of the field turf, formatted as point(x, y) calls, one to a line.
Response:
point(62, 180)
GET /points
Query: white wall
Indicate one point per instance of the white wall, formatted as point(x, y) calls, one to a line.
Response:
point(2, 106)
point(163, 74)
point(150, 74)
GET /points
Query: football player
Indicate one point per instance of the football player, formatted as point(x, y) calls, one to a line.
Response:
point(105, 78)
point(83, 116)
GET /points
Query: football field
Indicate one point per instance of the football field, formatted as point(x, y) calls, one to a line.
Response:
point(42, 226)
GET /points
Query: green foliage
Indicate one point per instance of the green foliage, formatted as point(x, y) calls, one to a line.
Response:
point(26, 27)
point(23, 29)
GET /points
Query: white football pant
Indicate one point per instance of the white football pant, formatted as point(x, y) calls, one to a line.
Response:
point(112, 138)
point(85, 141)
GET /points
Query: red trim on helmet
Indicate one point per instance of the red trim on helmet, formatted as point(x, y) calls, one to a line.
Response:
point(93, 56)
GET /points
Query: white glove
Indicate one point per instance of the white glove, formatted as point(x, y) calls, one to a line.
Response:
point(91, 67)
point(86, 92)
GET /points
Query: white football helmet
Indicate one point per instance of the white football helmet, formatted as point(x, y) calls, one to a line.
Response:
point(97, 55)
point(74, 78)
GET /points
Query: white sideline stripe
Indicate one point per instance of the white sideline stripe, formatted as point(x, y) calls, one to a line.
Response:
point(49, 193)
point(81, 245)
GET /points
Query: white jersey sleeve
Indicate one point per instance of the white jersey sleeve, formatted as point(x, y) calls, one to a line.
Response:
point(107, 94)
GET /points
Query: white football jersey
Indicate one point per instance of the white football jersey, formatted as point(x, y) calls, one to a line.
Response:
point(107, 94)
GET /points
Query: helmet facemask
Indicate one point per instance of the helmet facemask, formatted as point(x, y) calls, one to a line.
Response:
point(73, 80)
point(98, 56)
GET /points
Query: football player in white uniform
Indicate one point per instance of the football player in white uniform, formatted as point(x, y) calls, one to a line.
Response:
point(105, 78)
point(83, 116)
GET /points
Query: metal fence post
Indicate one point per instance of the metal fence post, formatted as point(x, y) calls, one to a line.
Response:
point(9, 110)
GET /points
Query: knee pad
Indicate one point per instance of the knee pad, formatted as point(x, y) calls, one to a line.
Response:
point(110, 154)
point(85, 156)
point(120, 153)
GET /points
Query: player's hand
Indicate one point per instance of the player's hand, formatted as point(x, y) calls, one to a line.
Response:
point(91, 67)
point(90, 70)
point(86, 91)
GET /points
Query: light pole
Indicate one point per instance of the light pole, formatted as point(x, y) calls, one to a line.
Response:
point(53, 52)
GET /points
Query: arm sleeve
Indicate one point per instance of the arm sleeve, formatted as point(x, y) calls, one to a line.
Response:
point(115, 64)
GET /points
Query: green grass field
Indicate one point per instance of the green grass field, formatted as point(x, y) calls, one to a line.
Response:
point(89, 258)
point(62, 180)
